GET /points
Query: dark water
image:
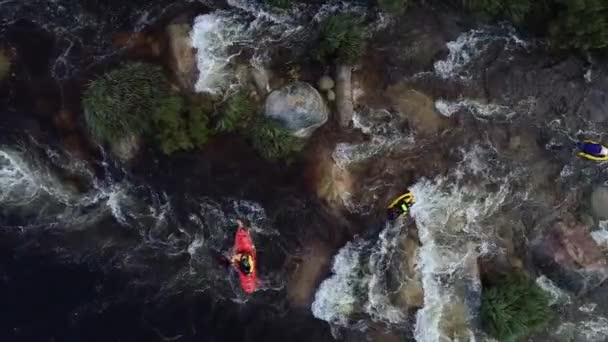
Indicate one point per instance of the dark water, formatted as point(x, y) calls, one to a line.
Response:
point(103, 280)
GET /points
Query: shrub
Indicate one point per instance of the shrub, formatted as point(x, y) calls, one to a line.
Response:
point(581, 24)
point(5, 65)
point(393, 6)
point(177, 129)
point(198, 126)
point(514, 308)
point(280, 3)
point(237, 113)
point(121, 101)
point(273, 141)
point(342, 38)
point(515, 10)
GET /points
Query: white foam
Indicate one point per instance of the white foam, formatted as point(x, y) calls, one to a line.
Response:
point(469, 46)
point(383, 133)
point(450, 214)
point(601, 235)
point(358, 284)
point(337, 297)
point(558, 296)
point(595, 330)
point(213, 35)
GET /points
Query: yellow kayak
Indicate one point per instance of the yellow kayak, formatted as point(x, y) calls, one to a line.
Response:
point(590, 156)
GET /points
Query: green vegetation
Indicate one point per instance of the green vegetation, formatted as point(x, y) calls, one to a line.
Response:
point(5, 65)
point(179, 130)
point(580, 24)
point(121, 102)
point(393, 6)
point(280, 3)
point(514, 308)
point(514, 10)
point(273, 141)
point(237, 113)
point(341, 38)
point(136, 99)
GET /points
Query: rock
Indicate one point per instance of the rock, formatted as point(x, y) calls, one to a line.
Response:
point(326, 83)
point(138, 44)
point(261, 80)
point(417, 108)
point(331, 96)
point(569, 256)
point(309, 273)
point(344, 95)
point(65, 120)
point(126, 149)
point(182, 56)
point(299, 107)
point(599, 202)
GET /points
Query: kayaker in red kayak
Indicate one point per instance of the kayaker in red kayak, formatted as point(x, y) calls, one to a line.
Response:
point(244, 258)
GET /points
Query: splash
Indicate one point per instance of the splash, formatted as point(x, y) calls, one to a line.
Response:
point(358, 290)
point(452, 216)
point(469, 46)
point(384, 135)
point(557, 295)
point(214, 35)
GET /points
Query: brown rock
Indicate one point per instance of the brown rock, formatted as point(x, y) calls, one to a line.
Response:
point(75, 145)
point(308, 273)
point(418, 108)
point(65, 120)
point(138, 44)
point(182, 56)
point(570, 257)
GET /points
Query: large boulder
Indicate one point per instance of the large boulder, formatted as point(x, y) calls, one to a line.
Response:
point(599, 202)
point(568, 255)
point(299, 107)
point(418, 108)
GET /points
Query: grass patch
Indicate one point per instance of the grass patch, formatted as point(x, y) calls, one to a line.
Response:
point(274, 142)
point(136, 99)
point(341, 38)
point(280, 3)
point(393, 6)
point(237, 113)
point(121, 102)
point(514, 308)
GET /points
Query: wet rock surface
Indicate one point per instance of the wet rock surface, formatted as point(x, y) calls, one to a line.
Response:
point(570, 257)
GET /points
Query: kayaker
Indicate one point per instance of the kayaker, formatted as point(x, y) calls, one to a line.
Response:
point(244, 262)
point(401, 205)
point(593, 148)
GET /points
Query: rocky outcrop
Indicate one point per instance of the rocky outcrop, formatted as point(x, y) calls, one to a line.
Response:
point(308, 274)
point(568, 255)
point(182, 56)
point(299, 107)
point(417, 108)
point(599, 202)
point(126, 148)
point(344, 95)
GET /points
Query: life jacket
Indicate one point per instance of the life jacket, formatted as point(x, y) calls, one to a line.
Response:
point(592, 149)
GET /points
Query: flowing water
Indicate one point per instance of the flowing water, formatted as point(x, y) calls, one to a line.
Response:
point(143, 243)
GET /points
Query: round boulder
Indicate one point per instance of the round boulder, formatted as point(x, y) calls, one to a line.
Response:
point(599, 202)
point(326, 83)
point(299, 107)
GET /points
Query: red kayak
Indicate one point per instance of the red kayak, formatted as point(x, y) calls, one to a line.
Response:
point(244, 245)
